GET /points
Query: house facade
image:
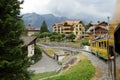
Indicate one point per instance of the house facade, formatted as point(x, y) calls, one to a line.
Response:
point(97, 29)
point(29, 44)
point(31, 30)
point(69, 26)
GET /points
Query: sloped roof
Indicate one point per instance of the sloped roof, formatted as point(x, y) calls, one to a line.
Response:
point(92, 28)
point(103, 25)
point(28, 39)
point(70, 22)
point(57, 24)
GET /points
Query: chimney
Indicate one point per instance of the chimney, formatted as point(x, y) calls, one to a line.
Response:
point(98, 22)
point(116, 14)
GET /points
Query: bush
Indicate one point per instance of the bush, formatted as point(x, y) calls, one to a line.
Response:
point(52, 38)
point(38, 54)
point(71, 37)
point(85, 41)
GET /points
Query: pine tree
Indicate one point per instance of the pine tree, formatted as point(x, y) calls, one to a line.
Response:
point(13, 60)
point(44, 28)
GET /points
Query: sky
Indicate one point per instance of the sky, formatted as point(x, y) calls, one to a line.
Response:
point(74, 9)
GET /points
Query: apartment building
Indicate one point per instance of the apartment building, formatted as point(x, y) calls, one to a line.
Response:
point(70, 26)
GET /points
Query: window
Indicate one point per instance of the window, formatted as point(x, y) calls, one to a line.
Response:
point(80, 29)
point(99, 44)
point(76, 32)
point(102, 45)
point(105, 45)
point(94, 44)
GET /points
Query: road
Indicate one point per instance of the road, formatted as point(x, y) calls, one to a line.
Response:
point(46, 64)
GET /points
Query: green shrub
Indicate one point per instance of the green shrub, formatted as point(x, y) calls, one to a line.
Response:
point(85, 41)
point(37, 55)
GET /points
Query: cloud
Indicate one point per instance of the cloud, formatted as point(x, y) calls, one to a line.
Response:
point(71, 8)
point(38, 6)
point(78, 8)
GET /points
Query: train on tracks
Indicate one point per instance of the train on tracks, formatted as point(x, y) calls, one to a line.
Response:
point(99, 46)
point(108, 46)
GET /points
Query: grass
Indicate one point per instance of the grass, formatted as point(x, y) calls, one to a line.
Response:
point(83, 70)
point(51, 51)
point(76, 44)
point(43, 75)
point(118, 74)
point(84, 41)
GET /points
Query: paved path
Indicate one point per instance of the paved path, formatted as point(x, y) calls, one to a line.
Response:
point(46, 64)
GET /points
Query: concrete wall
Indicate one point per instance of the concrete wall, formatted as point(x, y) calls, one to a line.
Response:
point(60, 58)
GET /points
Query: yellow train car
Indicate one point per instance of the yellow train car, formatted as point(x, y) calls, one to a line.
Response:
point(109, 48)
point(99, 47)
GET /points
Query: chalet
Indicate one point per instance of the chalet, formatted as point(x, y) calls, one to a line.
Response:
point(29, 43)
point(98, 29)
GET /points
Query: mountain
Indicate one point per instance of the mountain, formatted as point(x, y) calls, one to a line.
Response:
point(36, 19)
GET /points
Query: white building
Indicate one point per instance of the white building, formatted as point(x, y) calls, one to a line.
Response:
point(29, 43)
point(31, 30)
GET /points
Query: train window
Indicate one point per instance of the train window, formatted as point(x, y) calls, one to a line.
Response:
point(102, 45)
point(92, 44)
point(99, 44)
point(105, 44)
point(95, 45)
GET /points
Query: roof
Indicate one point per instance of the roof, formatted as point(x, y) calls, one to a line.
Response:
point(104, 36)
point(32, 28)
point(70, 22)
point(91, 28)
point(97, 26)
point(61, 53)
point(28, 39)
point(57, 24)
